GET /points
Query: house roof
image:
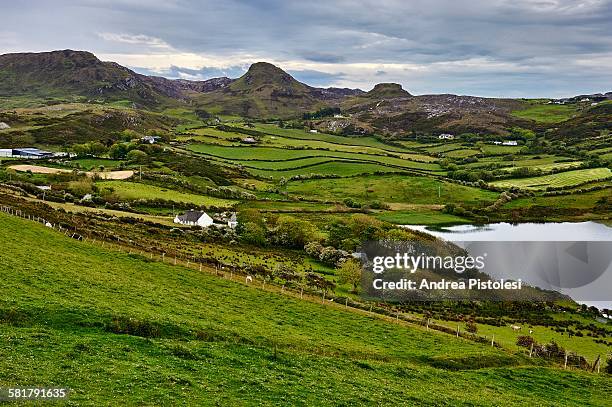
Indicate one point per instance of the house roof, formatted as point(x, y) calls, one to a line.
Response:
point(233, 217)
point(31, 151)
point(191, 216)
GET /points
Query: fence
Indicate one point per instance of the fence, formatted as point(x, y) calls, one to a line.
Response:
point(234, 274)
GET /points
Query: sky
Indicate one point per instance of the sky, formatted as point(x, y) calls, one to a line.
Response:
point(496, 48)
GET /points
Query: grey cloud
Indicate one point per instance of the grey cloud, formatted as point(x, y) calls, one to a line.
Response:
point(322, 57)
point(177, 72)
point(530, 35)
point(317, 78)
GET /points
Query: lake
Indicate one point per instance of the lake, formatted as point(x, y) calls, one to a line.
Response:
point(550, 231)
point(596, 293)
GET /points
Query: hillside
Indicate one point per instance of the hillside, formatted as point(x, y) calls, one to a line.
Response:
point(68, 73)
point(116, 327)
point(266, 91)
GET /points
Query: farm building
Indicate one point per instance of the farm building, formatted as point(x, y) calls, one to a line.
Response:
point(446, 136)
point(249, 140)
point(510, 143)
point(232, 222)
point(150, 139)
point(194, 218)
point(31, 153)
point(6, 152)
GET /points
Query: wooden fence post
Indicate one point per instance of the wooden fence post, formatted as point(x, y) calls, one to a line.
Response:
point(457, 331)
point(531, 349)
point(565, 363)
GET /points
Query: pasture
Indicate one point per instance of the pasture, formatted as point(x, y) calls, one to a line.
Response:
point(562, 179)
point(134, 190)
point(391, 189)
point(546, 113)
point(112, 326)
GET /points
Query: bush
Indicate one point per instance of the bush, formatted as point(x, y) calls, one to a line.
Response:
point(525, 341)
point(471, 327)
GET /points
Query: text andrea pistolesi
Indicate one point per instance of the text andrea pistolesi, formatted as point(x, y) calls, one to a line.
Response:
point(458, 264)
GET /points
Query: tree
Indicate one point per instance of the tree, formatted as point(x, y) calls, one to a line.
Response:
point(349, 272)
point(97, 149)
point(294, 233)
point(118, 151)
point(253, 233)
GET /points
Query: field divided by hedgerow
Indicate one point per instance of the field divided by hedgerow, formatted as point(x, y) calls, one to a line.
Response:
point(559, 180)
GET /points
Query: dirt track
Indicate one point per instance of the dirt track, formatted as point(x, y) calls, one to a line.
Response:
point(38, 169)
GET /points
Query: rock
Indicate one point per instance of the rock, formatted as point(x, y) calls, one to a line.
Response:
point(4, 126)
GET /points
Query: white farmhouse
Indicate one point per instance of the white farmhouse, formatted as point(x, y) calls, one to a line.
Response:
point(446, 136)
point(194, 218)
point(510, 143)
point(232, 222)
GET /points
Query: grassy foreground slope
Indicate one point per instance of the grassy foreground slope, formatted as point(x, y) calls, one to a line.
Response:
point(197, 339)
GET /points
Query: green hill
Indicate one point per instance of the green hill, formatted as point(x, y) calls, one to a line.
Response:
point(117, 328)
point(264, 90)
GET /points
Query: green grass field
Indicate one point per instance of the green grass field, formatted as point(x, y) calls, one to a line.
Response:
point(94, 163)
point(545, 113)
point(391, 189)
point(134, 190)
point(201, 340)
point(582, 201)
point(279, 154)
point(420, 217)
point(563, 179)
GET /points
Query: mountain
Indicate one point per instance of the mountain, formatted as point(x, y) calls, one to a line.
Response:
point(267, 91)
point(387, 90)
point(263, 91)
point(67, 73)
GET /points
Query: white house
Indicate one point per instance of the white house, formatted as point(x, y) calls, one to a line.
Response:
point(446, 136)
point(314, 131)
point(194, 218)
point(232, 222)
point(6, 152)
point(510, 143)
point(249, 140)
point(150, 139)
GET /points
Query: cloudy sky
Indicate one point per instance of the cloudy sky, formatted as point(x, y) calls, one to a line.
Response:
point(512, 48)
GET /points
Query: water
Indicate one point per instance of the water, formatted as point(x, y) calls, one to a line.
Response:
point(527, 232)
point(504, 232)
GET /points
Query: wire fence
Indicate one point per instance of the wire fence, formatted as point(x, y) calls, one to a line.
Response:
point(300, 293)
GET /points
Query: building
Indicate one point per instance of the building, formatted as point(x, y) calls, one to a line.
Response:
point(232, 222)
point(510, 143)
point(30, 152)
point(6, 152)
point(446, 136)
point(4, 126)
point(194, 218)
point(150, 139)
point(249, 140)
point(314, 131)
